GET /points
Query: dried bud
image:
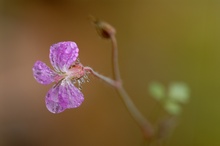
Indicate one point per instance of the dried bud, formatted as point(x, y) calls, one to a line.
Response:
point(104, 29)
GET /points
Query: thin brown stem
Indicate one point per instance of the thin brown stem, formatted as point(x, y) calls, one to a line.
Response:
point(144, 124)
point(104, 78)
point(116, 72)
point(135, 113)
point(106, 31)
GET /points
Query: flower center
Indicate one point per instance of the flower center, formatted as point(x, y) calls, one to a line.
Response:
point(76, 71)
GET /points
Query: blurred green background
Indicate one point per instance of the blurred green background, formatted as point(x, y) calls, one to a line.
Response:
point(165, 41)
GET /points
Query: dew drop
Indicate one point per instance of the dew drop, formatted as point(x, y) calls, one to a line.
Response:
point(77, 104)
point(68, 49)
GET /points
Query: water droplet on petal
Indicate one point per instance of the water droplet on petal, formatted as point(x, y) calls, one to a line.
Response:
point(68, 49)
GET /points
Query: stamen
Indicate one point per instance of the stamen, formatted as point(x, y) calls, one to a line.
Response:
point(79, 84)
point(86, 78)
point(74, 81)
point(82, 80)
point(77, 61)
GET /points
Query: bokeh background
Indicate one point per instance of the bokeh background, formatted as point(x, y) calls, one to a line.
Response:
point(165, 41)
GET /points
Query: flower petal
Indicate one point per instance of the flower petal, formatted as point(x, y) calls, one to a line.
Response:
point(54, 103)
point(42, 73)
point(63, 96)
point(70, 94)
point(63, 55)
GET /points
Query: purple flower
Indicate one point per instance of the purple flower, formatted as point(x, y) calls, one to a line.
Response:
point(67, 71)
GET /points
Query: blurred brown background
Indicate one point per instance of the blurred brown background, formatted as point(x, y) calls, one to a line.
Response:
point(158, 41)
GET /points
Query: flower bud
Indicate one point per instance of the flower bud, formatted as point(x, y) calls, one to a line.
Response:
point(104, 29)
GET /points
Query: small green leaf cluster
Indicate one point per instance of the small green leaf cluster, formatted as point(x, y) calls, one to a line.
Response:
point(172, 98)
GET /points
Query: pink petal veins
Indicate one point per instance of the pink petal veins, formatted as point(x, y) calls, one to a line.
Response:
point(54, 103)
point(42, 73)
point(63, 96)
point(63, 55)
point(70, 94)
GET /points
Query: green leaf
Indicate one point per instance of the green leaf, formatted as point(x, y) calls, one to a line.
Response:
point(172, 107)
point(157, 90)
point(179, 92)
